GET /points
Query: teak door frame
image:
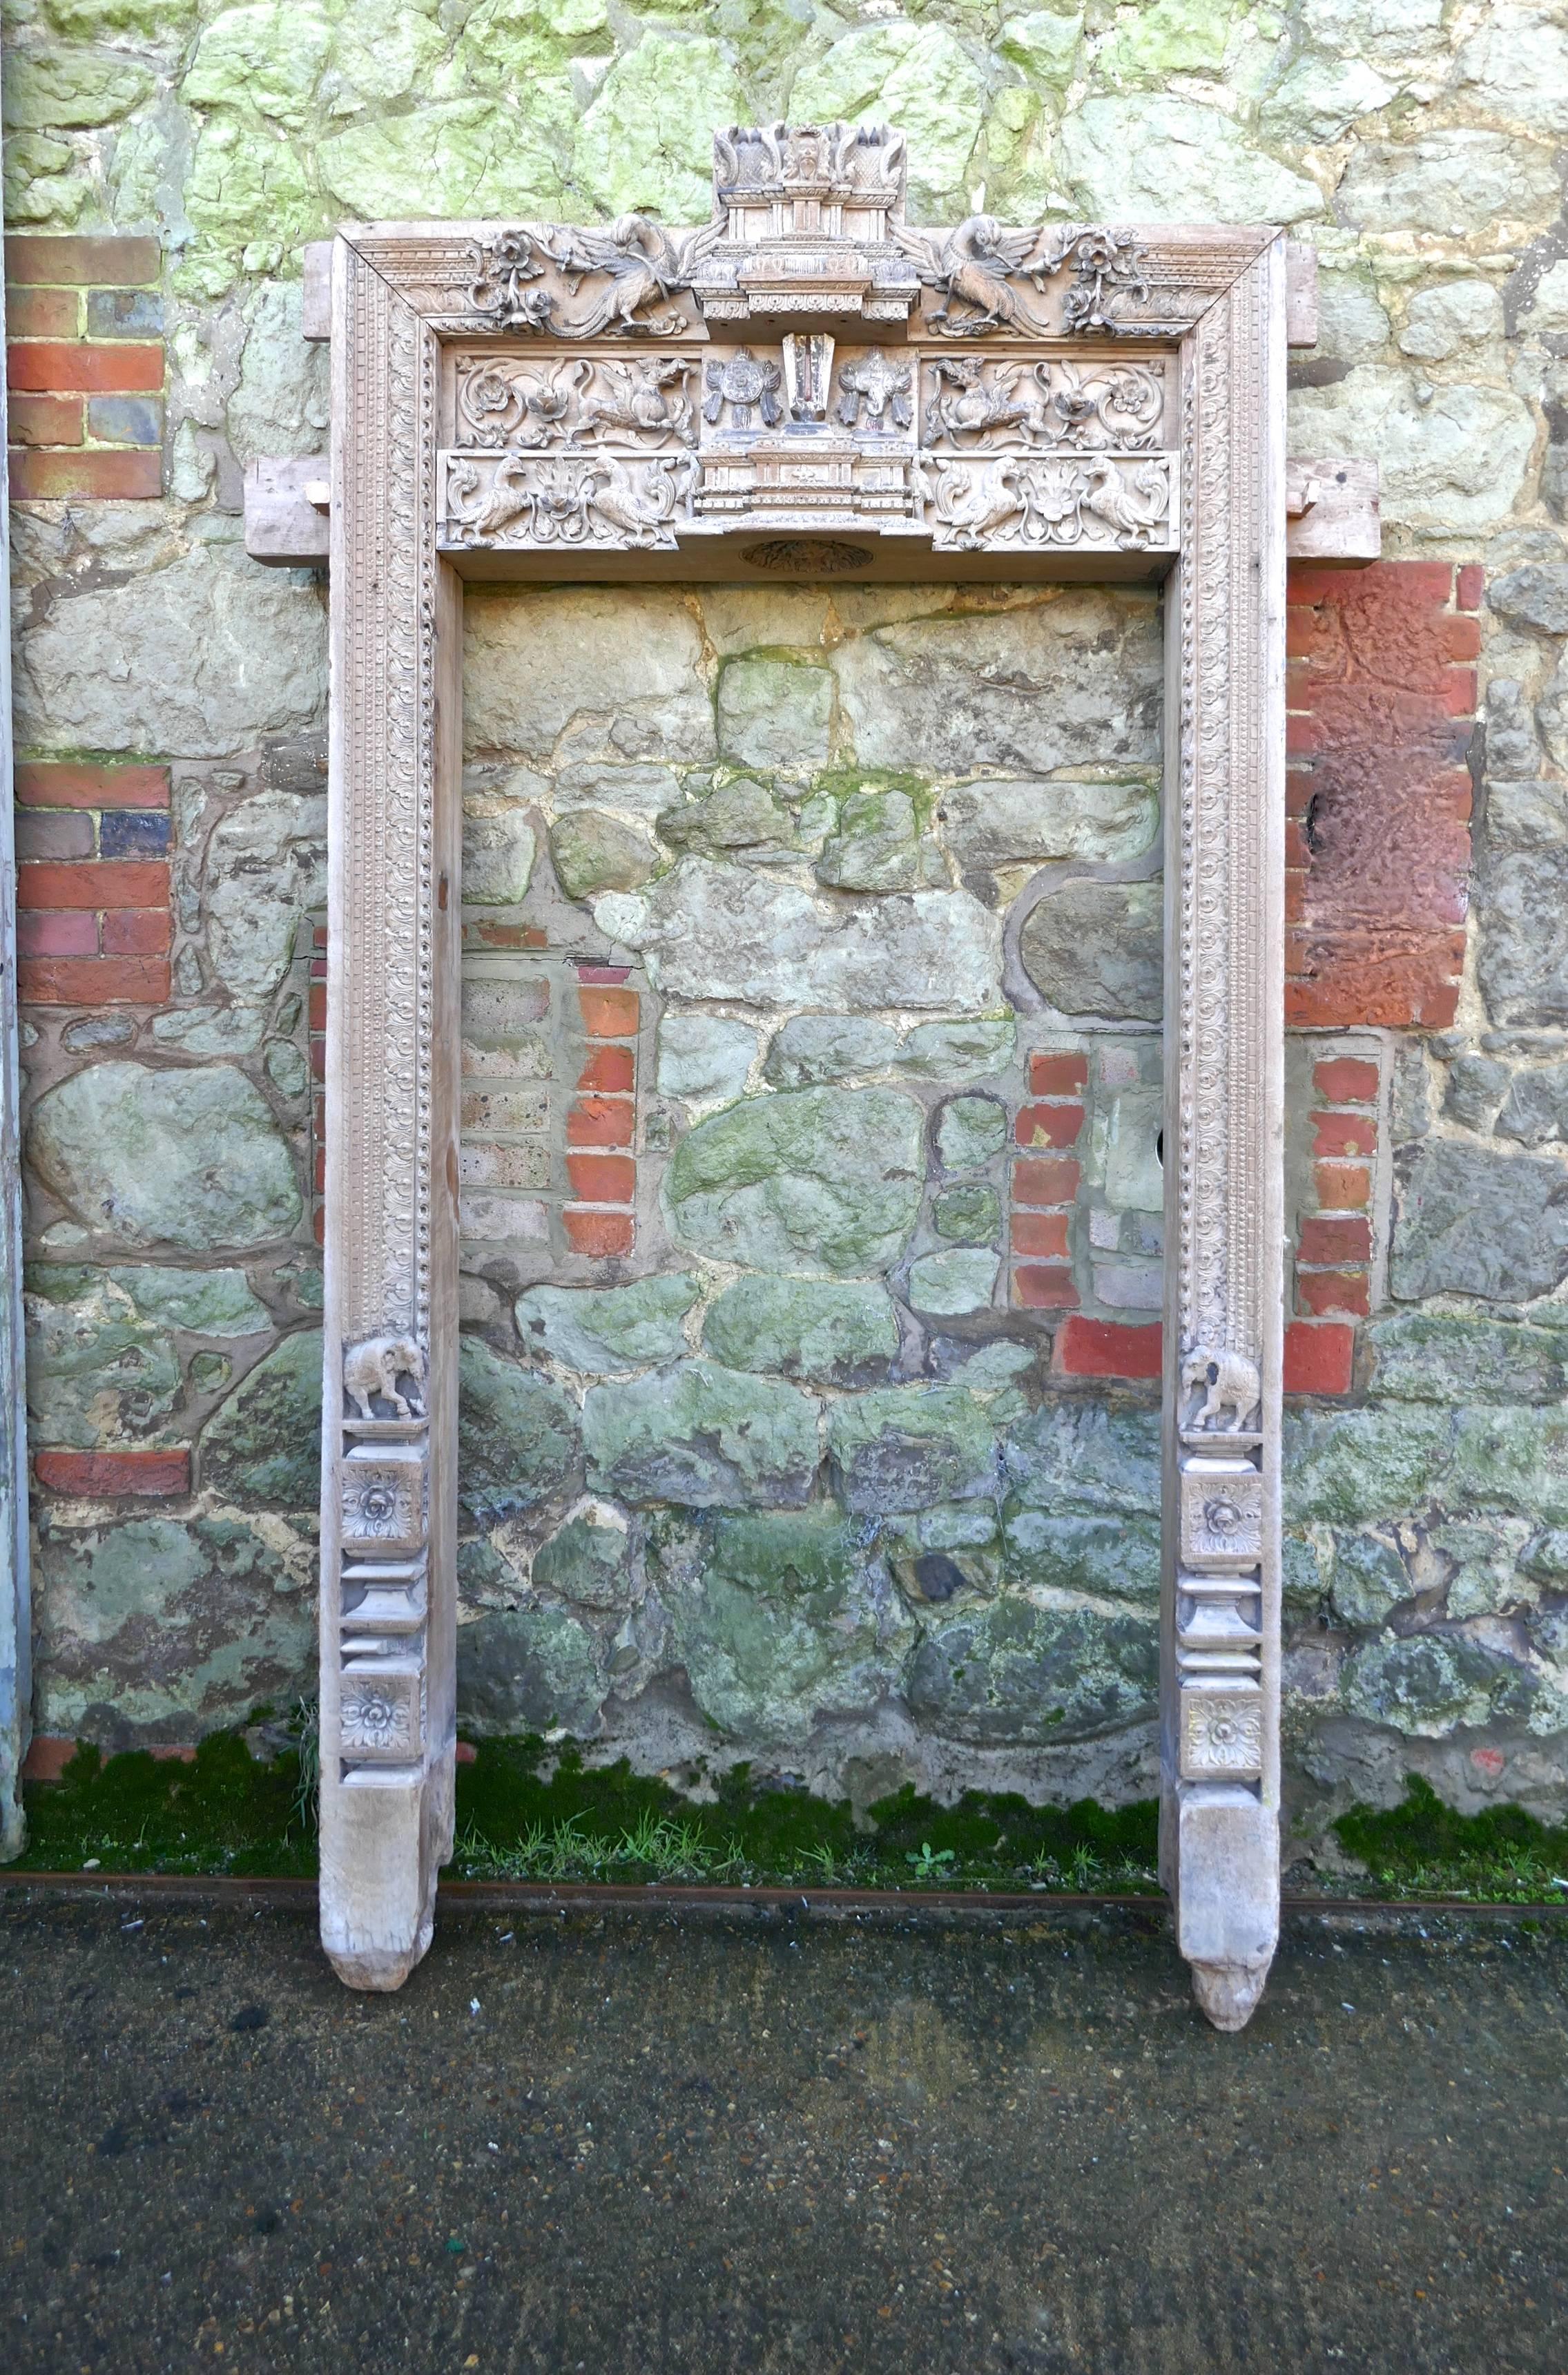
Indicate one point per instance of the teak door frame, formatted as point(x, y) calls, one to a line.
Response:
point(399, 293)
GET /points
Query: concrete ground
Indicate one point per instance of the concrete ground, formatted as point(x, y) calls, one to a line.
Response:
point(627, 2144)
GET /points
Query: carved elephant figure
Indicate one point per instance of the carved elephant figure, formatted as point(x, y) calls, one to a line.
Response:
point(1229, 1382)
point(374, 1367)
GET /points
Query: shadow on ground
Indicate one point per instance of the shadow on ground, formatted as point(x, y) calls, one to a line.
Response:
point(634, 2144)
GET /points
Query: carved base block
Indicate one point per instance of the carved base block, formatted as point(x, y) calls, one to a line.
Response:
point(382, 1842)
point(1227, 1992)
point(1227, 1896)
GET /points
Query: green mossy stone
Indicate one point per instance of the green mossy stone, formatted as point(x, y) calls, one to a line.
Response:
point(905, 1446)
point(775, 713)
point(1088, 1456)
point(1013, 1675)
point(945, 1284)
point(957, 1051)
point(1475, 1221)
point(789, 1623)
point(645, 145)
point(1430, 1356)
point(190, 1158)
point(61, 85)
point(1364, 1467)
point(600, 1329)
point(810, 1050)
point(264, 1443)
point(815, 1180)
point(1097, 948)
point(1370, 1578)
point(1103, 1558)
point(160, 1630)
point(522, 1669)
point(968, 1216)
point(517, 1437)
point(970, 1130)
point(1429, 1685)
point(592, 852)
point(833, 1333)
point(99, 1370)
point(702, 1436)
point(587, 1562)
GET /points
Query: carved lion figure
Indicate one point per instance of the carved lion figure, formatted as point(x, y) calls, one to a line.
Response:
point(1229, 1381)
point(374, 1367)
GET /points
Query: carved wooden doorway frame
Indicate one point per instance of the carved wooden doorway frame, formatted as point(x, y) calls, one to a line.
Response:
point(808, 241)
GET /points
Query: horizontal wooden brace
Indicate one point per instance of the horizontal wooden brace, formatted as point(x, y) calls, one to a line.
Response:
point(1331, 512)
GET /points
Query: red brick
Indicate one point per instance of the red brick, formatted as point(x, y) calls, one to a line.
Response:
point(1333, 1240)
point(90, 981)
point(1320, 1292)
point(318, 1005)
point(102, 368)
point(602, 1179)
point(45, 419)
point(114, 882)
point(55, 935)
point(47, 1757)
point(1346, 1080)
point(1340, 1134)
point(466, 1753)
point(1041, 1233)
point(171, 1752)
point(1461, 638)
point(104, 474)
point(1045, 1183)
point(136, 932)
point(1395, 992)
point(1048, 1125)
point(43, 313)
point(1058, 1075)
point(1342, 1187)
point(1319, 1359)
point(318, 1057)
point(1103, 1348)
point(100, 1474)
point(318, 1225)
point(600, 1121)
point(63, 784)
point(603, 973)
point(608, 1069)
point(55, 833)
point(1471, 582)
point(599, 1234)
point(490, 932)
point(1040, 1286)
point(35, 259)
point(608, 1013)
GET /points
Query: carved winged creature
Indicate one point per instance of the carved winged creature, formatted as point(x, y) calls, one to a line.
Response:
point(1132, 508)
point(971, 267)
point(644, 264)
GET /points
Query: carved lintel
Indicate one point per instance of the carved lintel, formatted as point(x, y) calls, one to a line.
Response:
point(1332, 507)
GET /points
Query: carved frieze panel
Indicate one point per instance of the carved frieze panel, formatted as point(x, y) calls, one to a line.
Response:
point(1031, 454)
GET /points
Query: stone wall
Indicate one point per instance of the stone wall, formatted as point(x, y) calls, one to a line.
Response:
point(811, 1161)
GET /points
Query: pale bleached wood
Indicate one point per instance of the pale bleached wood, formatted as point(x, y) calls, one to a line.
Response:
point(287, 503)
point(1301, 294)
point(1332, 513)
point(316, 320)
